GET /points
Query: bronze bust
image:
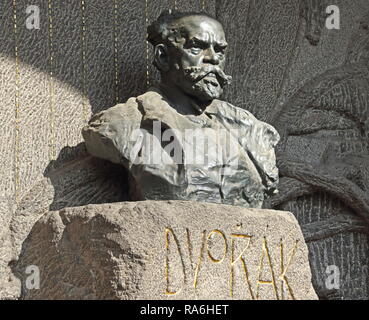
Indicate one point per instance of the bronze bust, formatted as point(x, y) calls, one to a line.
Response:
point(178, 140)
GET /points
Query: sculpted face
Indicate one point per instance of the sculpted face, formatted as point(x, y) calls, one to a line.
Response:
point(196, 57)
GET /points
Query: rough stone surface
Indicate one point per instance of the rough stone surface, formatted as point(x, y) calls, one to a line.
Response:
point(167, 250)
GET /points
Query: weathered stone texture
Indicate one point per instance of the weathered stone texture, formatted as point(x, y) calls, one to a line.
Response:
point(329, 48)
point(167, 250)
point(131, 55)
point(100, 70)
point(335, 237)
point(36, 138)
point(7, 134)
point(265, 32)
point(7, 93)
point(70, 104)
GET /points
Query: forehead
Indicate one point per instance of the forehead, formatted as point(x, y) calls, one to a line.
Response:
point(202, 27)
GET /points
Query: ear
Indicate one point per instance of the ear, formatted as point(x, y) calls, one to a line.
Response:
point(161, 59)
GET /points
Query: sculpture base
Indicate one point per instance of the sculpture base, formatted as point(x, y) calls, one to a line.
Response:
point(166, 250)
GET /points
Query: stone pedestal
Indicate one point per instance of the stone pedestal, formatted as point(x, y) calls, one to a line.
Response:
point(166, 250)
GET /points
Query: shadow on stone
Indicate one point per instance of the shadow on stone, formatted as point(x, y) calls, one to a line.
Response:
point(79, 179)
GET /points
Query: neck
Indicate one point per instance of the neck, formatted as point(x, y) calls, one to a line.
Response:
point(182, 102)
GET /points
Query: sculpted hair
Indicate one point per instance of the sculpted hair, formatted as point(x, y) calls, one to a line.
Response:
point(159, 31)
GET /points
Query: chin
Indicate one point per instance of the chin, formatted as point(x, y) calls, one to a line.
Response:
point(206, 92)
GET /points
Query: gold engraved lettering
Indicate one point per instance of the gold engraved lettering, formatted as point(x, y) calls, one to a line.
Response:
point(282, 276)
point(265, 252)
point(51, 82)
point(225, 246)
point(147, 44)
point(17, 106)
point(240, 258)
point(116, 64)
point(84, 58)
point(169, 231)
point(201, 254)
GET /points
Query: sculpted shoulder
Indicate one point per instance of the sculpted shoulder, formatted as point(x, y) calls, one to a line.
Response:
point(244, 120)
point(257, 137)
point(124, 111)
point(128, 113)
point(107, 133)
point(110, 133)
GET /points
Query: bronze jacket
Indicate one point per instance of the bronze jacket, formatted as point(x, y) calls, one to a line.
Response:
point(224, 155)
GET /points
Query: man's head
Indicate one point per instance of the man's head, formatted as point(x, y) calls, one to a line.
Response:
point(190, 51)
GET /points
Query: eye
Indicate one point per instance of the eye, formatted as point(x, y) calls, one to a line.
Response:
point(196, 49)
point(221, 50)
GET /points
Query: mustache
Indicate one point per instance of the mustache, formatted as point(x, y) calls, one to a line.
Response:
point(198, 73)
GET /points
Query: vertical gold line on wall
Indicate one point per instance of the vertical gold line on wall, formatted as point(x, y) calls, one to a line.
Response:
point(147, 43)
point(116, 51)
point(83, 38)
point(51, 85)
point(17, 108)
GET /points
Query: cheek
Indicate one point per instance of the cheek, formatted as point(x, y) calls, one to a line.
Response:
point(190, 60)
point(222, 63)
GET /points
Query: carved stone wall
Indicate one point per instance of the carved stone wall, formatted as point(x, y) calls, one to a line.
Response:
point(310, 82)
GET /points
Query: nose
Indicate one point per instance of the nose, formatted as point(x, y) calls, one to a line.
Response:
point(211, 56)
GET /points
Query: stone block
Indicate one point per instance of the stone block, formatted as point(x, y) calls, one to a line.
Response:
point(166, 250)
